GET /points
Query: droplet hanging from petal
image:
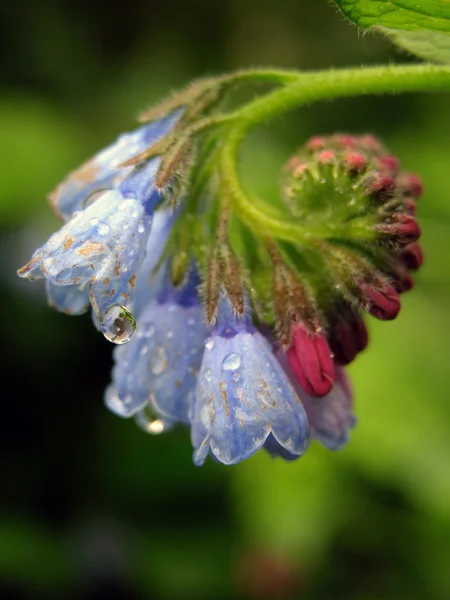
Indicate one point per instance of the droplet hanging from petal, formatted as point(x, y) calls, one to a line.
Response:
point(118, 324)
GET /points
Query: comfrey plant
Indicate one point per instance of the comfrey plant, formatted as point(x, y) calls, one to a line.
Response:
point(234, 317)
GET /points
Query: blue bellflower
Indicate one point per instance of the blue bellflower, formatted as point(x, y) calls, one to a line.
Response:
point(330, 417)
point(243, 396)
point(103, 171)
point(97, 255)
point(158, 368)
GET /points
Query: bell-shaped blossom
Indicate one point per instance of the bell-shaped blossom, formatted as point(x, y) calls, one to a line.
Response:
point(330, 417)
point(243, 395)
point(159, 366)
point(149, 280)
point(103, 171)
point(101, 249)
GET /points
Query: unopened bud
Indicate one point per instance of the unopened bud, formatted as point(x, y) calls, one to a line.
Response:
point(388, 164)
point(412, 256)
point(349, 335)
point(384, 303)
point(354, 162)
point(410, 185)
point(311, 361)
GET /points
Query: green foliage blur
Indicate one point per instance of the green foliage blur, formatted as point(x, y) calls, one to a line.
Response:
point(94, 508)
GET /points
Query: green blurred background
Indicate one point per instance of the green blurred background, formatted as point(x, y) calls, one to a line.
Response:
point(94, 508)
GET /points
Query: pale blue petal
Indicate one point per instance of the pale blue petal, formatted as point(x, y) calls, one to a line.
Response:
point(104, 245)
point(276, 450)
point(160, 364)
point(242, 396)
point(330, 417)
point(102, 172)
point(149, 282)
point(69, 299)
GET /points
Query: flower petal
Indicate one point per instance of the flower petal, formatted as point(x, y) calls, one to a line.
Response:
point(159, 365)
point(69, 299)
point(242, 396)
point(102, 172)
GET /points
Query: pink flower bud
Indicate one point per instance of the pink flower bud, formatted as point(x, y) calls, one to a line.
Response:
point(403, 227)
point(402, 280)
point(326, 157)
point(412, 256)
point(349, 337)
point(310, 359)
point(410, 205)
point(389, 164)
point(316, 143)
point(355, 162)
point(384, 303)
point(300, 169)
point(411, 185)
point(381, 186)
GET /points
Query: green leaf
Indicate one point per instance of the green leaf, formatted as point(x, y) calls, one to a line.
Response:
point(421, 27)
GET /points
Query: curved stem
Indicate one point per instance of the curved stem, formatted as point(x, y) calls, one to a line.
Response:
point(280, 76)
point(307, 88)
point(245, 209)
point(314, 86)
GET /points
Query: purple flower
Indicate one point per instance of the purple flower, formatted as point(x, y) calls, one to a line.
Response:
point(158, 368)
point(243, 395)
point(103, 172)
point(330, 417)
point(97, 255)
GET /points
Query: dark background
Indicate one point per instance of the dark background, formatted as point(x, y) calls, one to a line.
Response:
point(94, 508)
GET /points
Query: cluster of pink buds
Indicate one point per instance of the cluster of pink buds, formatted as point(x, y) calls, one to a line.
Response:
point(363, 239)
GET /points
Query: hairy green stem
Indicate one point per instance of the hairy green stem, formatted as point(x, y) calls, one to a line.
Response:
point(326, 85)
point(307, 88)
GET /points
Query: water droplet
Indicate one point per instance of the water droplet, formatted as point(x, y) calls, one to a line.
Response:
point(159, 361)
point(134, 214)
point(209, 344)
point(244, 348)
point(149, 423)
point(141, 227)
point(103, 229)
point(169, 334)
point(191, 321)
point(93, 221)
point(143, 351)
point(208, 374)
point(231, 362)
point(118, 324)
